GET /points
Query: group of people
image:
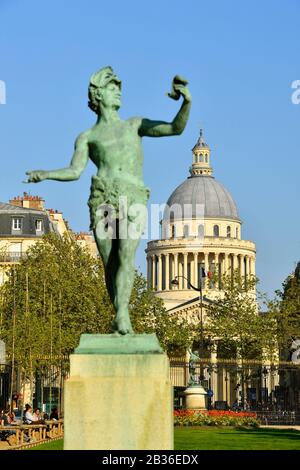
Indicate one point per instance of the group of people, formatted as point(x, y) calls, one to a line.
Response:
point(8, 417)
point(37, 417)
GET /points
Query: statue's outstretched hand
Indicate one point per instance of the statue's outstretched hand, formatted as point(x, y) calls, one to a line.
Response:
point(36, 176)
point(179, 88)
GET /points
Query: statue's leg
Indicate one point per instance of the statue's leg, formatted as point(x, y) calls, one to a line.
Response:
point(124, 283)
point(126, 270)
point(108, 249)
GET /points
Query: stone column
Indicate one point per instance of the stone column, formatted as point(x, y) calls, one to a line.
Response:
point(218, 268)
point(159, 274)
point(241, 266)
point(185, 273)
point(247, 267)
point(176, 268)
point(250, 265)
point(251, 270)
point(226, 265)
point(235, 261)
point(206, 267)
point(213, 268)
point(148, 272)
point(153, 271)
point(253, 266)
point(167, 271)
point(195, 282)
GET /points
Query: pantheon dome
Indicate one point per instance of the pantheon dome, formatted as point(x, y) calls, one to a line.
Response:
point(200, 230)
point(205, 190)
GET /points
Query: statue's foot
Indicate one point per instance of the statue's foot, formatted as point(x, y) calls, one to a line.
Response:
point(122, 324)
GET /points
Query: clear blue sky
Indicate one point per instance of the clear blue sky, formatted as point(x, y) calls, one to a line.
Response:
point(240, 59)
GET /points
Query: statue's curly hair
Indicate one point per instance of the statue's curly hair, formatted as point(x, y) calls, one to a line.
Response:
point(100, 79)
point(93, 103)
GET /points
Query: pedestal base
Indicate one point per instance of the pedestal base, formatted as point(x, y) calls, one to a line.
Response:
point(118, 401)
point(195, 398)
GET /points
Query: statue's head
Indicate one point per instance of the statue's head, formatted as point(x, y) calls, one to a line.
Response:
point(105, 90)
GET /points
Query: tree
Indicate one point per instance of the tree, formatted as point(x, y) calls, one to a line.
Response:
point(58, 292)
point(149, 315)
point(285, 309)
point(233, 318)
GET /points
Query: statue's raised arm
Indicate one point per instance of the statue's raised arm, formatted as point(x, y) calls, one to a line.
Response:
point(150, 128)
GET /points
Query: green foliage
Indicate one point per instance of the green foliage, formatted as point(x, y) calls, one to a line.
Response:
point(149, 316)
point(58, 292)
point(285, 309)
point(233, 318)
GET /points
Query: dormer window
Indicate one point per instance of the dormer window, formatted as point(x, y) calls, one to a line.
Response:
point(17, 224)
point(39, 225)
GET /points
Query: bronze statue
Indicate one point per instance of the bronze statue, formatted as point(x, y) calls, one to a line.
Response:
point(194, 357)
point(115, 147)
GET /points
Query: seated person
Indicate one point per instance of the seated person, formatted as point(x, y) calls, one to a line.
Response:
point(38, 416)
point(29, 417)
point(11, 417)
point(54, 414)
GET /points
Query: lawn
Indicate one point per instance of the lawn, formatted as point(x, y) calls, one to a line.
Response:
point(222, 438)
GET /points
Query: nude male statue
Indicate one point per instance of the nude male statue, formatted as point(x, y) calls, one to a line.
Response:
point(115, 147)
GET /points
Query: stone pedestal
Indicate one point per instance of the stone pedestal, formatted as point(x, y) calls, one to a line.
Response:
point(119, 396)
point(195, 398)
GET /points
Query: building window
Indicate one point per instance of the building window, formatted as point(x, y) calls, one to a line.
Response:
point(17, 223)
point(206, 158)
point(237, 232)
point(172, 231)
point(201, 231)
point(185, 231)
point(38, 225)
point(228, 231)
point(216, 231)
point(201, 157)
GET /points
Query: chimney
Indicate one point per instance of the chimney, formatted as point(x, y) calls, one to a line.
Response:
point(29, 202)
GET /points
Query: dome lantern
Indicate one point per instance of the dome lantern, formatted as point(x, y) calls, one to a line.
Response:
point(201, 158)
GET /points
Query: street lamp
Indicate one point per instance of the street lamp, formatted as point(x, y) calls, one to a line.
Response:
point(265, 373)
point(176, 283)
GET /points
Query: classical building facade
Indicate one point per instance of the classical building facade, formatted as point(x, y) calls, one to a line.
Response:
point(201, 229)
point(200, 233)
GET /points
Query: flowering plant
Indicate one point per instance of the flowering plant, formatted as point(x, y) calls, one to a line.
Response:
point(214, 418)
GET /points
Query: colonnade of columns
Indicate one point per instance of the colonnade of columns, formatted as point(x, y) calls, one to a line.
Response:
point(164, 267)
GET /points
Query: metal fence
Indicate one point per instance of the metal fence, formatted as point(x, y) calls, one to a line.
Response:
point(287, 418)
point(273, 390)
point(251, 384)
